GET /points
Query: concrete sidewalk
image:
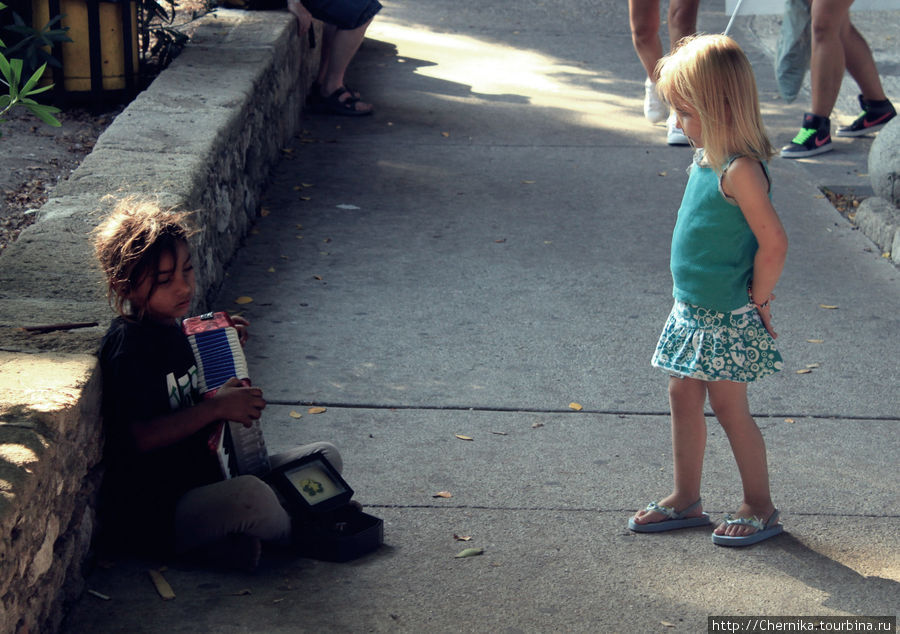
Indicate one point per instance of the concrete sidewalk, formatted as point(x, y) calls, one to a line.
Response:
point(489, 247)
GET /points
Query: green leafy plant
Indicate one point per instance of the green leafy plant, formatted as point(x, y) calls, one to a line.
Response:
point(19, 94)
point(161, 39)
point(32, 45)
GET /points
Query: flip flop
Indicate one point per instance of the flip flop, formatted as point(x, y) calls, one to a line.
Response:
point(676, 519)
point(764, 530)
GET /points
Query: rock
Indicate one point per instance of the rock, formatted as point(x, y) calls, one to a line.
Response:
point(884, 163)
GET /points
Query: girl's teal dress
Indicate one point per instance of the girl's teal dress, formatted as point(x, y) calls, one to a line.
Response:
point(714, 332)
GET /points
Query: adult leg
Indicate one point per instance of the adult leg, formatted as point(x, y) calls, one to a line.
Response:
point(827, 61)
point(682, 19)
point(342, 45)
point(860, 63)
point(729, 403)
point(644, 18)
point(686, 399)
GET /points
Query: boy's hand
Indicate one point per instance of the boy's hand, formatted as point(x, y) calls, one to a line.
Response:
point(242, 326)
point(240, 403)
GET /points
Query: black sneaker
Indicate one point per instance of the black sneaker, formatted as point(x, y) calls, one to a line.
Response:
point(873, 117)
point(814, 138)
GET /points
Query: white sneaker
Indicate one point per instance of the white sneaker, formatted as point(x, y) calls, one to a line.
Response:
point(674, 134)
point(654, 109)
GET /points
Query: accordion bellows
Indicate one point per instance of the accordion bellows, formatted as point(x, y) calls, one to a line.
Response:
point(219, 357)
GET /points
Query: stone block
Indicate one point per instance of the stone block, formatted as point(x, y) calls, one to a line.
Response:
point(884, 163)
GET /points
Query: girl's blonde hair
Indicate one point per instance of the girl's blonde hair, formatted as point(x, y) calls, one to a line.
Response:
point(128, 244)
point(712, 75)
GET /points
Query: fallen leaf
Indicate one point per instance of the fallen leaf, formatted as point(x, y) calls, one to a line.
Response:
point(528, 182)
point(297, 188)
point(442, 494)
point(815, 341)
point(804, 371)
point(445, 134)
point(813, 366)
point(469, 552)
point(271, 269)
point(305, 198)
point(827, 306)
point(295, 414)
point(162, 586)
point(264, 212)
point(500, 241)
point(576, 406)
point(461, 437)
point(462, 538)
point(299, 227)
point(663, 173)
point(666, 624)
point(243, 299)
point(536, 425)
point(316, 410)
point(317, 277)
point(789, 420)
point(306, 184)
point(500, 433)
point(106, 597)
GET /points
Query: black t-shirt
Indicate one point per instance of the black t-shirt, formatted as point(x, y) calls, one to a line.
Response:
point(149, 371)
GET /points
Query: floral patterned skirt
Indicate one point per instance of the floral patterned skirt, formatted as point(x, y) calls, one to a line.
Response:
point(708, 345)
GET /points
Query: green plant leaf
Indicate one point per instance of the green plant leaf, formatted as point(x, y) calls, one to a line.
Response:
point(15, 76)
point(5, 69)
point(33, 80)
point(45, 113)
point(41, 89)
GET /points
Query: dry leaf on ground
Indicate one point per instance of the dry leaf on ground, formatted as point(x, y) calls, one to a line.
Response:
point(469, 552)
point(316, 410)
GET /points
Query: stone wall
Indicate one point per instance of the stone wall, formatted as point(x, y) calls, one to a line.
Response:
point(203, 136)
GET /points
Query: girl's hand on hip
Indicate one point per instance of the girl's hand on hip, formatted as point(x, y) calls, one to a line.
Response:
point(765, 313)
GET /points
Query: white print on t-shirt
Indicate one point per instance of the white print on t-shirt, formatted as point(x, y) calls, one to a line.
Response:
point(182, 390)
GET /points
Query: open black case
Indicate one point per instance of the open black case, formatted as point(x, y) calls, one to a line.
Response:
point(327, 525)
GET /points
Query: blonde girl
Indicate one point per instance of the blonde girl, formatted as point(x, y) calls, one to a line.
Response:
point(728, 251)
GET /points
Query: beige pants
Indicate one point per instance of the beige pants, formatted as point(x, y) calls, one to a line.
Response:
point(244, 504)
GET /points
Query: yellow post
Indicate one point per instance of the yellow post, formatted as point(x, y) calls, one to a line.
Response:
point(76, 58)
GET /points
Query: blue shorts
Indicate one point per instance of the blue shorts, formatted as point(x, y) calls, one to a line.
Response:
point(344, 14)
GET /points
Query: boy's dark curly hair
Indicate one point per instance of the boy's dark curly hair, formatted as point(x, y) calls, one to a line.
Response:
point(128, 245)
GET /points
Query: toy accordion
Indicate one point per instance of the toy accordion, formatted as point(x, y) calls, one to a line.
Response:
point(219, 356)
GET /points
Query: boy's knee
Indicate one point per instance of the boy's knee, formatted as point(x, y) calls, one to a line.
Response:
point(249, 493)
